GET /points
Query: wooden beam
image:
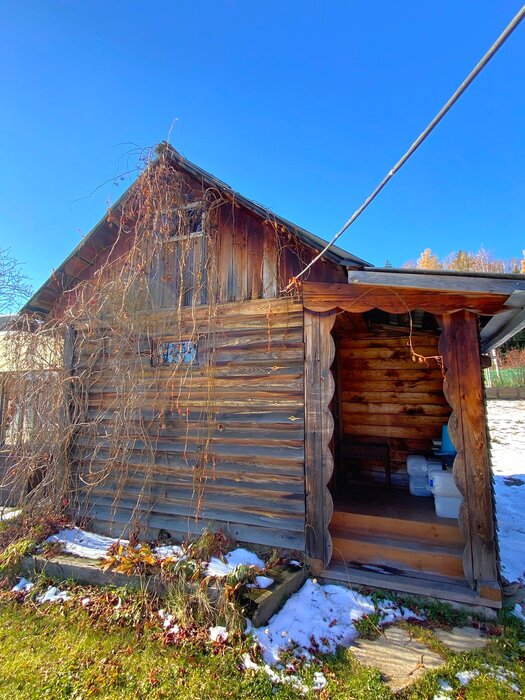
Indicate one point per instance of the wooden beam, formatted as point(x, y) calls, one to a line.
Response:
point(357, 298)
point(463, 387)
point(437, 282)
point(319, 427)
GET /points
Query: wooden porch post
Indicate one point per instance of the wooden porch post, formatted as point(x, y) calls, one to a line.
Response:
point(459, 346)
point(319, 426)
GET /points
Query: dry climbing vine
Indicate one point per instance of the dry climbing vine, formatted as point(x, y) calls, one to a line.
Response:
point(144, 327)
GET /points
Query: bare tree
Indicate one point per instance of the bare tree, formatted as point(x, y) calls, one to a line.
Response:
point(14, 284)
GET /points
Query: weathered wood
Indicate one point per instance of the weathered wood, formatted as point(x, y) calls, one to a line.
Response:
point(386, 397)
point(434, 587)
point(437, 282)
point(319, 389)
point(357, 298)
point(254, 432)
point(467, 428)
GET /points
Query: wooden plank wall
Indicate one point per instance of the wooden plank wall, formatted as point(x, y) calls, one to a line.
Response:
point(253, 259)
point(386, 398)
point(256, 487)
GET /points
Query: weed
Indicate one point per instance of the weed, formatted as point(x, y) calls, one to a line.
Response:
point(368, 626)
point(211, 544)
point(14, 553)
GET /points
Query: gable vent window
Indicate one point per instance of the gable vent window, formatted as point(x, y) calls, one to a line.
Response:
point(188, 221)
point(169, 353)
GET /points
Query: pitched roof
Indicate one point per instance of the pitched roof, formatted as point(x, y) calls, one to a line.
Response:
point(96, 240)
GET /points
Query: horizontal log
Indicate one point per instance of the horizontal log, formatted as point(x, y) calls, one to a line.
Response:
point(417, 374)
point(186, 508)
point(371, 341)
point(120, 525)
point(217, 477)
point(358, 298)
point(392, 353)
point(234, 417)
point(226, 449)
point(346, 359)
point(385, 392)
point(88, 460)
point(389, 431)
point(386, 419)
point(395, 409)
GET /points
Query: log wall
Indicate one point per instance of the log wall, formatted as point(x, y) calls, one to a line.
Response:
point(386, 398)
point(255, 486)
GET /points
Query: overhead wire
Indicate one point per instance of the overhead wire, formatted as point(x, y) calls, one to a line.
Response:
point(424, 134)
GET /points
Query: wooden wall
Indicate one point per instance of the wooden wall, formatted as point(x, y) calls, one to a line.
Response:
point(255, 489)
point(385, 398)
point(252, 259)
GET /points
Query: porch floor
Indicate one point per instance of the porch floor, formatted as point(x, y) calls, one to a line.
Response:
point(395, 533)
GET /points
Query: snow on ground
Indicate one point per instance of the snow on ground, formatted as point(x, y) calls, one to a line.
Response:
point(84, 544)
point(235, 558)
point(53, 595)
point(506, 421)
point(89, 545)
point(320, 619)
point(9, 513)
point(23, 586)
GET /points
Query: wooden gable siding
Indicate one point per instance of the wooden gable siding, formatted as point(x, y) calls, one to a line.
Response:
point(253, 259)
point(255, 480)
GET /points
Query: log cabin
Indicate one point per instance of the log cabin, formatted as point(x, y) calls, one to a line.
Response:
point(320, 391)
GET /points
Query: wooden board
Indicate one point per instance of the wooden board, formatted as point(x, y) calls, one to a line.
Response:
point(319, 426)
point(254, 483)
point(467, 428)
point(357, 298)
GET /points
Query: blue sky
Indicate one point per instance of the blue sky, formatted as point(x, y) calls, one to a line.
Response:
point(302, 106)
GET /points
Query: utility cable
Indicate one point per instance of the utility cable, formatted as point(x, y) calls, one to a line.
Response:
point(439, 116)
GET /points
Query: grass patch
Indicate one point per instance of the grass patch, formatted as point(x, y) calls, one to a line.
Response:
point(114, 646)
point(368, 626)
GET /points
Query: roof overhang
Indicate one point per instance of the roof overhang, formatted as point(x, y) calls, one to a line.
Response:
point(87, 253)
point(498, 299)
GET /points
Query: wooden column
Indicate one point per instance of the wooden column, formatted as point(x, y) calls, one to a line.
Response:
point(459, 346)
point(319, 427)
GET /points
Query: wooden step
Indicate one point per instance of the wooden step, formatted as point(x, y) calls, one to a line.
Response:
point(441, 588)
point(403, 555)
point(440, 531)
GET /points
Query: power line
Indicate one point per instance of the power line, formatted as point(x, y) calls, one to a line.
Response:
point(439, 116)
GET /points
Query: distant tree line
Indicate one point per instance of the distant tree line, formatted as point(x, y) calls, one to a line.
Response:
point(464, 261)
point(512, 353)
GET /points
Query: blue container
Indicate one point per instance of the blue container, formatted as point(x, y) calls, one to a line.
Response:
point(447, 448)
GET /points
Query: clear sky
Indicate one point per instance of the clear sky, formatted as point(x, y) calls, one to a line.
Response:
point(301, 106)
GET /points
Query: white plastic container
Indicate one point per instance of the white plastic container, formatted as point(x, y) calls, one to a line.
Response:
point(433, 469)
point(417, 465)
point(447, 506)
point(418, 486)
point(442, 484)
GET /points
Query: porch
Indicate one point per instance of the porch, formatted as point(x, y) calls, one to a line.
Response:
point(364, 527)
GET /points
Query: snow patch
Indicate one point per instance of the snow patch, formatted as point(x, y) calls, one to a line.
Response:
point(82, 543)
point(506, 420)
point(235, 558)
point(169, 550)
point(53, 595)
point(23, 586)
point(218, 634)
point(315, 618)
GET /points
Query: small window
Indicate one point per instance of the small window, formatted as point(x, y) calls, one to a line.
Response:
point(188, 221)
point(182, 352)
